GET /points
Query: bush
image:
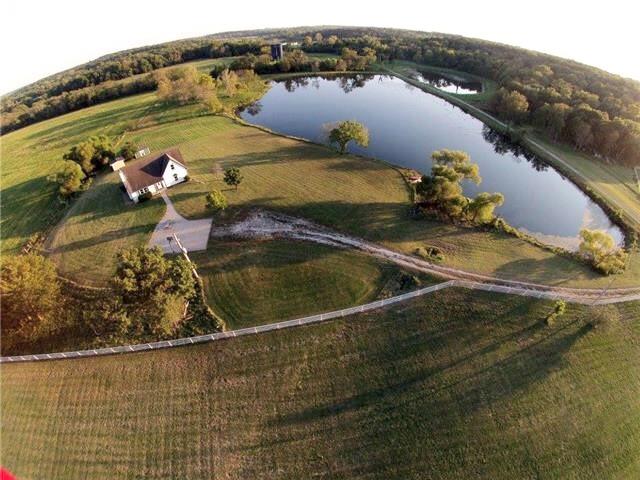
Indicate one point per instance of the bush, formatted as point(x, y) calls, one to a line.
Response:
point(558, 310)
point(429, 253)
point(216, 200)
point(145, 197)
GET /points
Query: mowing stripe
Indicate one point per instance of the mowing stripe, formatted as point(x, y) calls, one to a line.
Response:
point(527, 292)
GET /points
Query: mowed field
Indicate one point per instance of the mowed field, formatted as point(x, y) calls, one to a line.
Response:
point(457, 384)
point(355, 195)
point(255, 282)
point(29, 204)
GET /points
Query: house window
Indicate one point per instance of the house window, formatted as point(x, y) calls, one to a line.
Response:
point(175, 177)
point(173, 167)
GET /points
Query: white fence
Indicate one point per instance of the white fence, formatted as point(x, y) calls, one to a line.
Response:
point(549, 294)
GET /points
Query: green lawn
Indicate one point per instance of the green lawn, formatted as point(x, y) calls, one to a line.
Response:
point(249, 283)
point(85, 245)
point(28, 202)
point(351, 194)
point(453, 385)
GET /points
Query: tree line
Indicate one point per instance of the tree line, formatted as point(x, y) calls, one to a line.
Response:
point(595, 111)
point(150, 297)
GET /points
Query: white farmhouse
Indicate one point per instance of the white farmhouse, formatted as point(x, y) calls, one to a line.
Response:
point(151, 175)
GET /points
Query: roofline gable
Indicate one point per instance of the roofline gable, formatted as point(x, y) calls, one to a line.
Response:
point(173, 160)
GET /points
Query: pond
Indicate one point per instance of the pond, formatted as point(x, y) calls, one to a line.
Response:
point(449, 84)
point(406, 124)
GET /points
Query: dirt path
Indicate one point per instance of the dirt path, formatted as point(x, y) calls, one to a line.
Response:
point(261, 224)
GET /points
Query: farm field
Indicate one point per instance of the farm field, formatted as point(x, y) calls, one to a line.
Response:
point(457, 384)
point(29, 155)
point(249, 283)
point(352, 194)
point(97, 227)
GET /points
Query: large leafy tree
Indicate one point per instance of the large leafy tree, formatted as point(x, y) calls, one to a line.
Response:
point(442, 190)
point(186, 85)
point(481, 208)
point(92, 154)
point(349, 131)
point(599, 248)
point(511, 105)
point(30, 294)
point(71, 179)
point(146, 283)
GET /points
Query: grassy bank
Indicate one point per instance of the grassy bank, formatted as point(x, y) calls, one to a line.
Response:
point(454, 385)
point(611, 186)
point(250, 283)
point(351, 194)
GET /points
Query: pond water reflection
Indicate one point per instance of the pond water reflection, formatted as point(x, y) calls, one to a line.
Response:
point(407, 124)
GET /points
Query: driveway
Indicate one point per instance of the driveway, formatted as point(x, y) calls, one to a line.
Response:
point(193, 234)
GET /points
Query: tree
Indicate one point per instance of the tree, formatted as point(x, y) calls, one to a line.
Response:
point(441, 191)
point(348, 131)
point(186, 85)
point(480, 209)
point(229, 80)
point(71, 179)
point(216, 200)
point(92, 154)
point(233, 177)
point(511, 105)
point(460, 162)
point(31, 295)
point(558, 310)
point(128, 151)
point(145, 284)
point(599, 248)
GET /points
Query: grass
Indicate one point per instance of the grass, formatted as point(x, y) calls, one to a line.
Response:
point(96, 228)
point(351, 194)
point(407, 68)
point(28, 201)
point(250, 283)
point(458, 384)
point(616, 183)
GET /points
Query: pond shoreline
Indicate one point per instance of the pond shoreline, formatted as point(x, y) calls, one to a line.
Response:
point(282, 116)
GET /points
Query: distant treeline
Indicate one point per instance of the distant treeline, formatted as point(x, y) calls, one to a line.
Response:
point(99, 81)
point(593, 110)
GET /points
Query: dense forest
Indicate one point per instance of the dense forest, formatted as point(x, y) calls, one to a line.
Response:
point(595, 111)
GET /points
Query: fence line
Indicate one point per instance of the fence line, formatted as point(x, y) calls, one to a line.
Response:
point(322, 317)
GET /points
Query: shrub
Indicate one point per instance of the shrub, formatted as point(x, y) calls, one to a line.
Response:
point(429, 253)
point(558, 310)
point(216, 200)
point(145, 197)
